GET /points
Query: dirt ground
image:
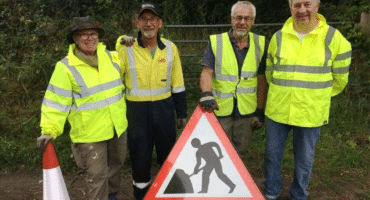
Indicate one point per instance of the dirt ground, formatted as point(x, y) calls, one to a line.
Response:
point(28, 186)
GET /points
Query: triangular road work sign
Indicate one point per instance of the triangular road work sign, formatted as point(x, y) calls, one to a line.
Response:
point(202, 165)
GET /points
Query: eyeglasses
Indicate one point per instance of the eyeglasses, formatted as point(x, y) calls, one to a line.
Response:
point(146, 20)
point(240, 18)
point(85, 36)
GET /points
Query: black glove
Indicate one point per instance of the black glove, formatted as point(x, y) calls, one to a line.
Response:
point(207, 102)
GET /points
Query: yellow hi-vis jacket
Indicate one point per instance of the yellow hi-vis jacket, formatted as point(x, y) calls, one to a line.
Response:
point(147, 78)
point(93, 100)
point(226, 83)
point(303, 76)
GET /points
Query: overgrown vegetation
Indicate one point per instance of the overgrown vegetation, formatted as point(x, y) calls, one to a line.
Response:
point(32, 40)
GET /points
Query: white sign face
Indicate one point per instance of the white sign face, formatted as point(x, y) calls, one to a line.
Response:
point(224, 178)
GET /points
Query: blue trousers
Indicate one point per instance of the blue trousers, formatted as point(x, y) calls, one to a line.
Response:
point(304, 142)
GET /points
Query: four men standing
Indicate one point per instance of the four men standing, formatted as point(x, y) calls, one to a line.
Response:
point(307, 63)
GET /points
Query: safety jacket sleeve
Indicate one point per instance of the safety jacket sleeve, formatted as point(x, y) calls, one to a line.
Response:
point(342, 52)
point(118, 43)
point(177, 84)
point(122, 60)
point(270, 59)
point(57, 102)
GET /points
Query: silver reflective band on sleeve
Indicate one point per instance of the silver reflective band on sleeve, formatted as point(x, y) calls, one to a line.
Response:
point(222, 95)
point(98, 104)
point(59, 91)
point(328, 39)
point(246, 90)
point(303, 69)
point(245, 74)
point(115, 65)
point(269, 68)
point(341, 70)
point(218, 63)
point(343, 56)
point(302, 84)
point(58, 106)
point(178, 89)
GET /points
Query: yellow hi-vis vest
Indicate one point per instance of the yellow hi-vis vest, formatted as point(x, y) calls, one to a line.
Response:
point(151, 79)
point(303, 76)
point(93, 100)
point(226, 83)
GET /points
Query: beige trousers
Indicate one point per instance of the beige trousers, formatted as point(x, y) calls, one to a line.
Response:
point(239, 131)
point(102, 162)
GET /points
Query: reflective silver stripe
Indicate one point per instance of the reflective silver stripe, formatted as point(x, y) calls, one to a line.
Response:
point(328, 39)
point(58, 106)
point(278, 43)
point(343, 56)
point(135, 91)
point(148, 92)
point(98, 104)
point(257, 48)
point(169, 56)
point(304, 69)
point(85, 91)
point(218, 63)
point(269, 68)
point(269, 57)
point(99, 88)
point(80, 82)
point(115, 65)
point(303, 84)
point(341, 70)
point(178, 89)
point(248, 74)
point(246, 90)
point(222, 95)
point(59, 91)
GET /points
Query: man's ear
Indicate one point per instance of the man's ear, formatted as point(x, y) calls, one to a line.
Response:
point(160, 23)
point(137, 22)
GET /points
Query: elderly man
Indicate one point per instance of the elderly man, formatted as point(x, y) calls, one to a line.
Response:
point(86, 86)
point(233, 81)
point(155, 89)
point(308, 63)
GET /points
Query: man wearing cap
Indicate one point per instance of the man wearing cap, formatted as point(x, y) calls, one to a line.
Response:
point(86, 86)
point(232, 81)
point(155, 89)
point(308, 63)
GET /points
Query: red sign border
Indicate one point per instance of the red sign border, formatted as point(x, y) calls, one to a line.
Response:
point(226, 143)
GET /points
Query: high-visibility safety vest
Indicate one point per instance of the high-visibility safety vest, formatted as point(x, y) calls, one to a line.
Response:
point(227, 84)
point(151, 79)
point(303, 76)
point(93, 100)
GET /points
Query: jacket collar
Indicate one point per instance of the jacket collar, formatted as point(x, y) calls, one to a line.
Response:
point(288, 25)
point(161, 45)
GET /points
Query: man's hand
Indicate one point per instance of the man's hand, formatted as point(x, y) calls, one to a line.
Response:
point(256, 123)
point(127, 40)
point(207, 102)
point(181, 122)
point(42, 142)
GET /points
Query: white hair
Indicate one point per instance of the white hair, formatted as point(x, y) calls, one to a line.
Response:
point(244, 3)
point(291, 1)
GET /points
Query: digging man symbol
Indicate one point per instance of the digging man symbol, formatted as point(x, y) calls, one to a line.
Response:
point(206, 152)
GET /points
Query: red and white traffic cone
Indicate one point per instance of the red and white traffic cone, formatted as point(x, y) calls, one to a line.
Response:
point(54, 186)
